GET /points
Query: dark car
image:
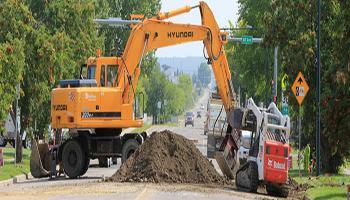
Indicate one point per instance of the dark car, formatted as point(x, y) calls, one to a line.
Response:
point(189, 119)
point(199, 115)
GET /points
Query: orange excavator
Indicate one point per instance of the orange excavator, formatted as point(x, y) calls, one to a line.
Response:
point(97, 106)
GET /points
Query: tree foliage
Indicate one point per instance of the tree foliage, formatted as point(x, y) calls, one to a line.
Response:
point(42, 42)
point(291, 25)
point(174, 98)
point(204, 74)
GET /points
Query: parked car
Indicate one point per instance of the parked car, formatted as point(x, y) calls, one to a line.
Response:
point(189, 119)
point(8, 135)
point(199, 115)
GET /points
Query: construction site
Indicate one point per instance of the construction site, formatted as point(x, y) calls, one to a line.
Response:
point(100, 111)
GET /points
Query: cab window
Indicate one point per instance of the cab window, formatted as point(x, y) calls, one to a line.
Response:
point(111, 74)
point(91, 71)
point(83, 71)
point(102, 77)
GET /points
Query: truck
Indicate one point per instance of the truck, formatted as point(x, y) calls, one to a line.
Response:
point(215, 124)
point(8, 135)
point(98, 105)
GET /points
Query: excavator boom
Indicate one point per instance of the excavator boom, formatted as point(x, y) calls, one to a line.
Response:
point(156, 33)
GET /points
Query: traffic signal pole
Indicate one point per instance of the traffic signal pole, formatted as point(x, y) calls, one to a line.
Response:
point(318, 125)
point(275, 74)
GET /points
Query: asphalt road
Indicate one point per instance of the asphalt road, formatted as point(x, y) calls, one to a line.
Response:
point(91, 186)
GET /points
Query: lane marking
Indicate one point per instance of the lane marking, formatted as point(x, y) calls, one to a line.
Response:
point(141, 195)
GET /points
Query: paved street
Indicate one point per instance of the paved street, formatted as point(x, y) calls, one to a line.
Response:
point(90, 186)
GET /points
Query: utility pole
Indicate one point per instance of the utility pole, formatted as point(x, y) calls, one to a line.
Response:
point(266, 78)
point(16, 122)
point(275, 73)
point(239, 96)
point(318, 125)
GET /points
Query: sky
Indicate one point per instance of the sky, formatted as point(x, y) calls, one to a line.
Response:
point(223, 10)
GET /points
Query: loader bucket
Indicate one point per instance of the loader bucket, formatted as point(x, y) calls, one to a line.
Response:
point(40, 160)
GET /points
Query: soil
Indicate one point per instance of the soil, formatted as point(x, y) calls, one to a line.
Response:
point(167, 157)
point(297, 191)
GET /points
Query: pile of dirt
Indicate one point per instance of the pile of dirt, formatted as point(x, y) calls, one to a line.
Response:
point(167, 157)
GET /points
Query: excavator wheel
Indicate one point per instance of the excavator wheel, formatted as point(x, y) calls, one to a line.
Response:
point(247, 178)
point(73, 158)
point(86, 165)
point(277, 190)
point(129, 148)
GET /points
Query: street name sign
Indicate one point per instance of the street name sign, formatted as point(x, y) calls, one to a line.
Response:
point(247, 39)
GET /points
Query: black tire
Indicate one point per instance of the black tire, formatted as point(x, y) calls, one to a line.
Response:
point(73, 158)
point(277, 190)
point(250, 170)
point(254, 176)
point(129, 148)
point(3, 141)
point(86, 166)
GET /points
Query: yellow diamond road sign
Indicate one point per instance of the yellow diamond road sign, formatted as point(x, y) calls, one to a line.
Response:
point(300, 88)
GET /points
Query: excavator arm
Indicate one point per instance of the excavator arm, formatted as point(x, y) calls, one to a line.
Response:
point(154, 33)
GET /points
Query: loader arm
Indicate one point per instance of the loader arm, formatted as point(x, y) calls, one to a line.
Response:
point(154, 33)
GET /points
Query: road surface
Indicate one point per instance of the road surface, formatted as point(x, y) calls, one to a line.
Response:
point(91, 186)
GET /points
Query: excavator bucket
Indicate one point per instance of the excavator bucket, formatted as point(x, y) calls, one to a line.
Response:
point(40, 159)
point(226, 159)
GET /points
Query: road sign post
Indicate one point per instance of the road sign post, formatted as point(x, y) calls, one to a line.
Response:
point(300, 89)
point(285, 109)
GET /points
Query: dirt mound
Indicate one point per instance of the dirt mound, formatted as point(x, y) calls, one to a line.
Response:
point(166, 157)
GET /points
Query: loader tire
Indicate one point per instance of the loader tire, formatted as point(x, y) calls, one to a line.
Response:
point(247, 178)
point(277, 190)
point(129, 148)
point(73, 158)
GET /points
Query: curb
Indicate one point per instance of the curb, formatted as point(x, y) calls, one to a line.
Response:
point(15, 179)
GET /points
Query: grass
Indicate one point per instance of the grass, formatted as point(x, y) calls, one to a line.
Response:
point(322, 187)
point(9, 170)
point(141, 129)
point(327, 192)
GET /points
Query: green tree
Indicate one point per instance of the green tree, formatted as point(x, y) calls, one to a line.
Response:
point(291, 26)
point(57, 47)
point(204, 74)
point(185, 84)
point(16, 24)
